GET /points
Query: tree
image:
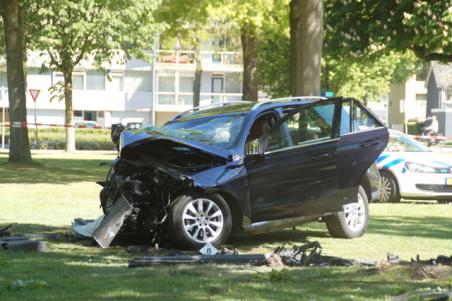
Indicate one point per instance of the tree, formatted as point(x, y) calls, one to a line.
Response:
point(248, 18)
point(362, 28)
point(306, 30)
point(190, 20)
point(19, 149)
point(95, 30)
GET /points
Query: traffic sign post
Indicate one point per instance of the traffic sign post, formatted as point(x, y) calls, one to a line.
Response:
point(34, 95)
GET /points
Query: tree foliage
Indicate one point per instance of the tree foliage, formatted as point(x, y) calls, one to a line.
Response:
point(69, 32)
point(359, 28)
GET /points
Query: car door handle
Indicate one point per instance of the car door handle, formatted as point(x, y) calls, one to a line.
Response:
point(370, 143)
point(320, 156)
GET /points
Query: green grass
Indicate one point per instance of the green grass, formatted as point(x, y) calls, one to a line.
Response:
point(48, 194)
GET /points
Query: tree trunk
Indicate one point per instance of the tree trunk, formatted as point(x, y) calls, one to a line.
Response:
point(70, 132)
point(198, 75)
point(250, 74)
point(19, 148)
point(306, 28)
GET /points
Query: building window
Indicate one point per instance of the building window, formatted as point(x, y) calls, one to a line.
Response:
point(137, 81)
point(116, 82)
point(421, 97)
point(101, 114)
point(95, 80)
point(3, 80)
point(90, 115)
point(77, 81)
point(217, 84)
point(78, 113)
point(167, 83)
point(186, 84)
point(233, 83)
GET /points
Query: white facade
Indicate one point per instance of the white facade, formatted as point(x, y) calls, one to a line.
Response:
point(128, 92)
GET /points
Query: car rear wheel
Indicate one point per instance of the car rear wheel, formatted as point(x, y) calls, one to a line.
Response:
point(197, 219)
point(389, 188)
point(352, 221)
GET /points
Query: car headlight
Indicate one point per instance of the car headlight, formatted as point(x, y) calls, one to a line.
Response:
point(416, 167)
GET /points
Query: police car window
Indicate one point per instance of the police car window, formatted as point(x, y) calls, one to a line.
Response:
point(362, 120)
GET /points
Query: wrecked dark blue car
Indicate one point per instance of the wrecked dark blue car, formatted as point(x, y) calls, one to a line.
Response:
point(245, 167)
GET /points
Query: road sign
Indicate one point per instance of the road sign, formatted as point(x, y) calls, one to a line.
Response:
point(34, 93)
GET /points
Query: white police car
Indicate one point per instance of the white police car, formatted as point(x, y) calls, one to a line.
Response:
point(410, 170)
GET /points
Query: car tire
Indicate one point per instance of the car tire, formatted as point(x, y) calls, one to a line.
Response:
point(196, 219)
point(389, 188)
point(352, 221)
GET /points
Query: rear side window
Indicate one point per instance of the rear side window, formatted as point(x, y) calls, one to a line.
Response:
point(362, 120)
point(358, 120)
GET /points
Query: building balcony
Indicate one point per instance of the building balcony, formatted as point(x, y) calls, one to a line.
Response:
point(210, 60)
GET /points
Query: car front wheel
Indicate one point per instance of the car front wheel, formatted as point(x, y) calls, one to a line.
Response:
point(352, 221)
point(389, 188)
point(197, 219)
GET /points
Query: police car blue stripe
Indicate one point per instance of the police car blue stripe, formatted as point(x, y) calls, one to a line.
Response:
point(381, 158)
point(392, 163)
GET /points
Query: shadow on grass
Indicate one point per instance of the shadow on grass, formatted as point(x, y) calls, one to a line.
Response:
point(290, 236)
point(52, 171)
point(427, 227)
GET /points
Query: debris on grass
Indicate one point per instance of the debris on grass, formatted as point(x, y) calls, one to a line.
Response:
point(426, 294)
point(20, 284)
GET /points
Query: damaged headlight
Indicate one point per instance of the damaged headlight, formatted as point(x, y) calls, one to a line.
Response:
point(416, 167)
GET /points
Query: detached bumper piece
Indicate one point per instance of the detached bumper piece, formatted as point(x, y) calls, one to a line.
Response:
point(253, 259)
point(112, 222)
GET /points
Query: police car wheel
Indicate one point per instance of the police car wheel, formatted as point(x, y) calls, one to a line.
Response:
point(389, 188)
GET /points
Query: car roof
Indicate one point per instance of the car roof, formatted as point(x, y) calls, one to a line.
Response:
point(244, 107)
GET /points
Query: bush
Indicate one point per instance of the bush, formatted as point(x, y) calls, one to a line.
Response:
point(55, 138)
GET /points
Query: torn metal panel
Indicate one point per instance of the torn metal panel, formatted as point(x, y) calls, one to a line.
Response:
point(112, 222)
point(254, 259)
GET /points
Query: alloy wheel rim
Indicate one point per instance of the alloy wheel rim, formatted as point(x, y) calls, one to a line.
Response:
point(386, 189)
point(202, 220)
point(355, 214)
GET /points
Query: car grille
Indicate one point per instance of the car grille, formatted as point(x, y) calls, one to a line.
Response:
point(434, 188)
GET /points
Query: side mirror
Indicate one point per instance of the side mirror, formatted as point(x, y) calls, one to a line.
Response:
point(116, 130)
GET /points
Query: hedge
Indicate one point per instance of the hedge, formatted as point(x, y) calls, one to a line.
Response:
point(55, 138)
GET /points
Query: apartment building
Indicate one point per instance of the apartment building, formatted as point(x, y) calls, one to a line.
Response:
point(134, 91)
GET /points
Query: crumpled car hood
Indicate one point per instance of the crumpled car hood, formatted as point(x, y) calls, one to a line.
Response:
point(152, 140)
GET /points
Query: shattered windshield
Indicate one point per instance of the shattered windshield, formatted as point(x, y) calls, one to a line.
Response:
point(219, 130)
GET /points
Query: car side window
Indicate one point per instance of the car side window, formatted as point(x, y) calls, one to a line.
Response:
point(311, 123)
point(259, 138)
point(362, 120)
point(303, 125)
point(345, 118)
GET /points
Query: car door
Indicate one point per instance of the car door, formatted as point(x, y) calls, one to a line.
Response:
point(296, 176)
point(362, 138)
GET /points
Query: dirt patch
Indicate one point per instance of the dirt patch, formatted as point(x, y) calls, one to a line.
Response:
point(429, 272)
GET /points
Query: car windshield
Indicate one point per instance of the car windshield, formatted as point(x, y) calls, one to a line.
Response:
point(219, 130)
point(403, 143)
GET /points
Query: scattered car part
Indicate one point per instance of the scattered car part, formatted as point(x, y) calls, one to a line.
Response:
point(111, 224)
point(85, 228)
point(254, 259)
point(25, 245)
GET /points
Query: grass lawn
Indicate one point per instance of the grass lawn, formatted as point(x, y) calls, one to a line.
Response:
point(48, 194)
